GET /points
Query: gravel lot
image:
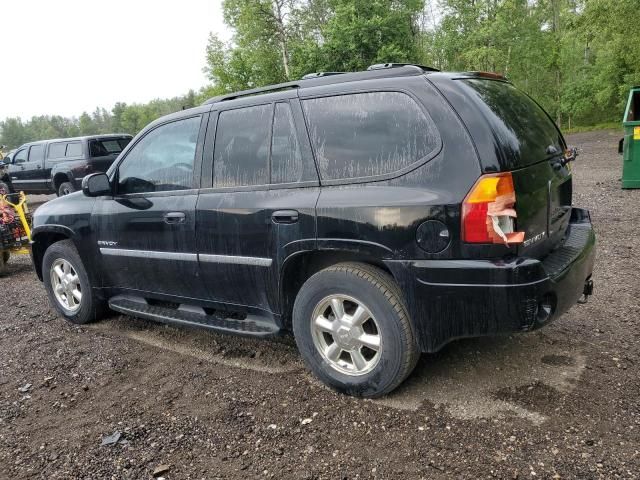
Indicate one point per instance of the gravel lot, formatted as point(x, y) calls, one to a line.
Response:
point(558, 403)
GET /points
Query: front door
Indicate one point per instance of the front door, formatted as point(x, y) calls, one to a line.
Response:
point(146, 231)
point(27, 172)
point(261, 207)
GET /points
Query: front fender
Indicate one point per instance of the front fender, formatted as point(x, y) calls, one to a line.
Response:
point(42, 237)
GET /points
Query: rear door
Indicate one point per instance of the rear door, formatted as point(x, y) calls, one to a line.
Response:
point(527, 143)
point(146, 231)
point(259, 208)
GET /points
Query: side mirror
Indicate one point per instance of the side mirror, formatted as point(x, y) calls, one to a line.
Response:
point(96, 185)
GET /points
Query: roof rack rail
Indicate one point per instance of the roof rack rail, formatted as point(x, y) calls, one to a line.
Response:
point(252, 91)
point(382, 66)
point(320, 74)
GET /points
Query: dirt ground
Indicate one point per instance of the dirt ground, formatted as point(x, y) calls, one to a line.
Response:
point(562, 402)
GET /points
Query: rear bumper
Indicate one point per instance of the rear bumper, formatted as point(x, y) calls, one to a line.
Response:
point(450, 299)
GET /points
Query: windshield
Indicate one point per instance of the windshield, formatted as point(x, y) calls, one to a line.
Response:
point(108, 146)
point(523, 129)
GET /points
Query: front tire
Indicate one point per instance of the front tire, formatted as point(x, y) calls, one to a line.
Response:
point(67, 284)
point(353, 330)
point(65, 188)
point(5, 188)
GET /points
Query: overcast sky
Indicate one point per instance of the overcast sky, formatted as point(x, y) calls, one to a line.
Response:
point(68, 56)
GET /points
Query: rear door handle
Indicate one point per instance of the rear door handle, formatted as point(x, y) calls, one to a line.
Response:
point(285, 216)
point(174, 217)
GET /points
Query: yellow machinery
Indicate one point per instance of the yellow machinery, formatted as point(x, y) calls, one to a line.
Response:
point(15, 227)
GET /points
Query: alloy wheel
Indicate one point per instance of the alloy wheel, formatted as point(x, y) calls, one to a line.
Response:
point(346, 334)
point(65, 283)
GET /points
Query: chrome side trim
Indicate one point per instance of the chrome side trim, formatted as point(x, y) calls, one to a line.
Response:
point(255, 261)
point(121, 252)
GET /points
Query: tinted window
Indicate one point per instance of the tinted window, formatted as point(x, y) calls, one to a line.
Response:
point(367, 134)
point(74, 149)
point(21, 156)
point(241, 152)
point(56, 150)
point(523, 129)
point(111, 146)
point(162, 160)
point(36, 154)
point(286, 157)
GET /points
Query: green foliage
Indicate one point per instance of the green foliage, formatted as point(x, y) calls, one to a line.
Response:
point(578, 58)
point(123, 118)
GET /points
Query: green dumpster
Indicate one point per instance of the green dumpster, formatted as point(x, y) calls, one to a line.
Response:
point(631, 141)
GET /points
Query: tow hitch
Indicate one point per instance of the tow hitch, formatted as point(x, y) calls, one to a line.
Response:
point(588, 291)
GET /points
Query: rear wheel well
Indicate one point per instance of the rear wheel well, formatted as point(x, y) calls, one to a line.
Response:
point(301, 267)
point(59, 179)
point(41, 242)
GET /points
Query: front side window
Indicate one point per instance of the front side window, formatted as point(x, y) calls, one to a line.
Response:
point(162, 161)
point(36, 154)
point(241, 151)
point(56, 150)
point(74, 149)
point(368, 134)
point(21, 156)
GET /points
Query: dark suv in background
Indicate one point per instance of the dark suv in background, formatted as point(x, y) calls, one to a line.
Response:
point(58, 166)
point(376, 214)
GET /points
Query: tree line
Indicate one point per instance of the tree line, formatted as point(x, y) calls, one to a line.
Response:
point(578, 58)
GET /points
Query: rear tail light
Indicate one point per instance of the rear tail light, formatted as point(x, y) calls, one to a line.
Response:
point(488, 211)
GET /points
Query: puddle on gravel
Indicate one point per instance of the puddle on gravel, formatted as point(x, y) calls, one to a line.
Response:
point(468, 378)
point(467, 375)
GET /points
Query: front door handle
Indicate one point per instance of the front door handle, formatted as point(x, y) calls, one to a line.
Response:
point(285, 216)
point(174, 217)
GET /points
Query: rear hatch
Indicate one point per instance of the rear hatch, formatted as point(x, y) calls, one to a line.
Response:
point(528, 144)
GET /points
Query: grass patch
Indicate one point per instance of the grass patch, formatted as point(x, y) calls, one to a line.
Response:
point(592, 128)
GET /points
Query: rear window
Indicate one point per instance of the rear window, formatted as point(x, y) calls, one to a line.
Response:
point(368, 134)
point(107, 146)
point(523, 129)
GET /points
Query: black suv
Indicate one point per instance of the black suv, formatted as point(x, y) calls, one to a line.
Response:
point(58, 166)
point(376, 214)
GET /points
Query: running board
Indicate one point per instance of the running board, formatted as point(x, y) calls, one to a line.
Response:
point(252, 325)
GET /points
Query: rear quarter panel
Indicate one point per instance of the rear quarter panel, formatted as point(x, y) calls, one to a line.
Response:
point(380, 218)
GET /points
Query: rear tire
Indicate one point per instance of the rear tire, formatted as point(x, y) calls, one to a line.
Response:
point(67, 284)
point(368, 348)
point(65, 188)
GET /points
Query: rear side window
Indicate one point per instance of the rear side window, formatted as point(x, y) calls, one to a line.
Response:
point(74, 149)
point(56, 150)
point(241, 151)
point(36, 154)
point(368, 134)
point(523, 129)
